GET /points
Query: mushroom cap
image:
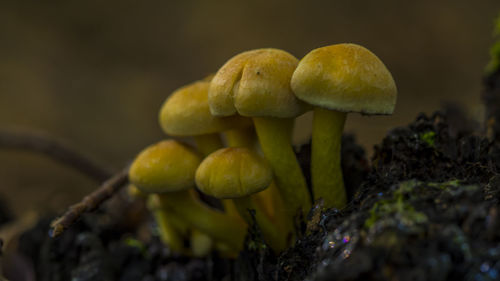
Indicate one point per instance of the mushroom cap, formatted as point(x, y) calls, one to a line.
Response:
point(233, 172)
point(164, 167)
point(255, 83)
point(347, 78)
point(186, 113)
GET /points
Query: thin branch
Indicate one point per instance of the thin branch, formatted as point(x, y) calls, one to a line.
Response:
point(55, 149)
point(89, 202)
point(65, 154)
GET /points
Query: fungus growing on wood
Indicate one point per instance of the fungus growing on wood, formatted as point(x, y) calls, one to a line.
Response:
point(168, 170)
point(336, 80)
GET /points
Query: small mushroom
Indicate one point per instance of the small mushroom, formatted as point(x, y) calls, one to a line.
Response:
point(186, 113)
point(339, 79)
point(168, 170)
point(237, 173)
point(257, 84)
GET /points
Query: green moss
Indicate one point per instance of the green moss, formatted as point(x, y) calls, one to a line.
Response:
point(455, 187)
point(404, 211)
point(446, 184)
point(397, 206)
point(134, 243)
point(494, 63)
point(255, 245)
point(428, 137)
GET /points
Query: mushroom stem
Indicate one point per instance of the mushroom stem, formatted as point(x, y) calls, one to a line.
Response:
point(208, 143)
point(269, 200)
point(270, 232)
point(230, 208)
point(240, 137)
point(170, 229)
point(275, 139)
point(167, 231)
point(201, 243)
point(326, 171)
point(217, 225)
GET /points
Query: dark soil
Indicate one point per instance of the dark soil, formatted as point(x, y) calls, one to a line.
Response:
point(427, 209)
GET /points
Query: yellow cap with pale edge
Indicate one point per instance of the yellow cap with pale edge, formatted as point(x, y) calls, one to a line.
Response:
point(346, 78)
point(186, 113)
point(233, 172)
point(164, 167)
point(255, 83)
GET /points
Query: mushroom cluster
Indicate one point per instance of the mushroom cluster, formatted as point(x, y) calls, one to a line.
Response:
point(241, 120)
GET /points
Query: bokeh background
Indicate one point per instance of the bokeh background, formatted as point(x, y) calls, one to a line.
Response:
point(96, 72)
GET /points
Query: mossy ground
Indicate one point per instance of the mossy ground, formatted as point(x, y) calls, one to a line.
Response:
point(427, 209)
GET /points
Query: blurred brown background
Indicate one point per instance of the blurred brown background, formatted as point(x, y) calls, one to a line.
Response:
point(96, 72)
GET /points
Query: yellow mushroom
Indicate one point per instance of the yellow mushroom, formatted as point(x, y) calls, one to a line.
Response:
point(236, 173)
point(168, 170)
point(339, 79)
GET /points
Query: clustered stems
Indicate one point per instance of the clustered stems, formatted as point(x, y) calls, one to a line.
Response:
point(276, 240)
point(169, 233)
point(226, 229)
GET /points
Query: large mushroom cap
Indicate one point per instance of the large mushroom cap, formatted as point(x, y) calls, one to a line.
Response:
point(347, 78)
point(164, 167)
point(186, 113)
point(255, 83)
point(233, 172)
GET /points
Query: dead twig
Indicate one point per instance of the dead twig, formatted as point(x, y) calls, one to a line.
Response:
point(89, 202)
point(55, 149)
